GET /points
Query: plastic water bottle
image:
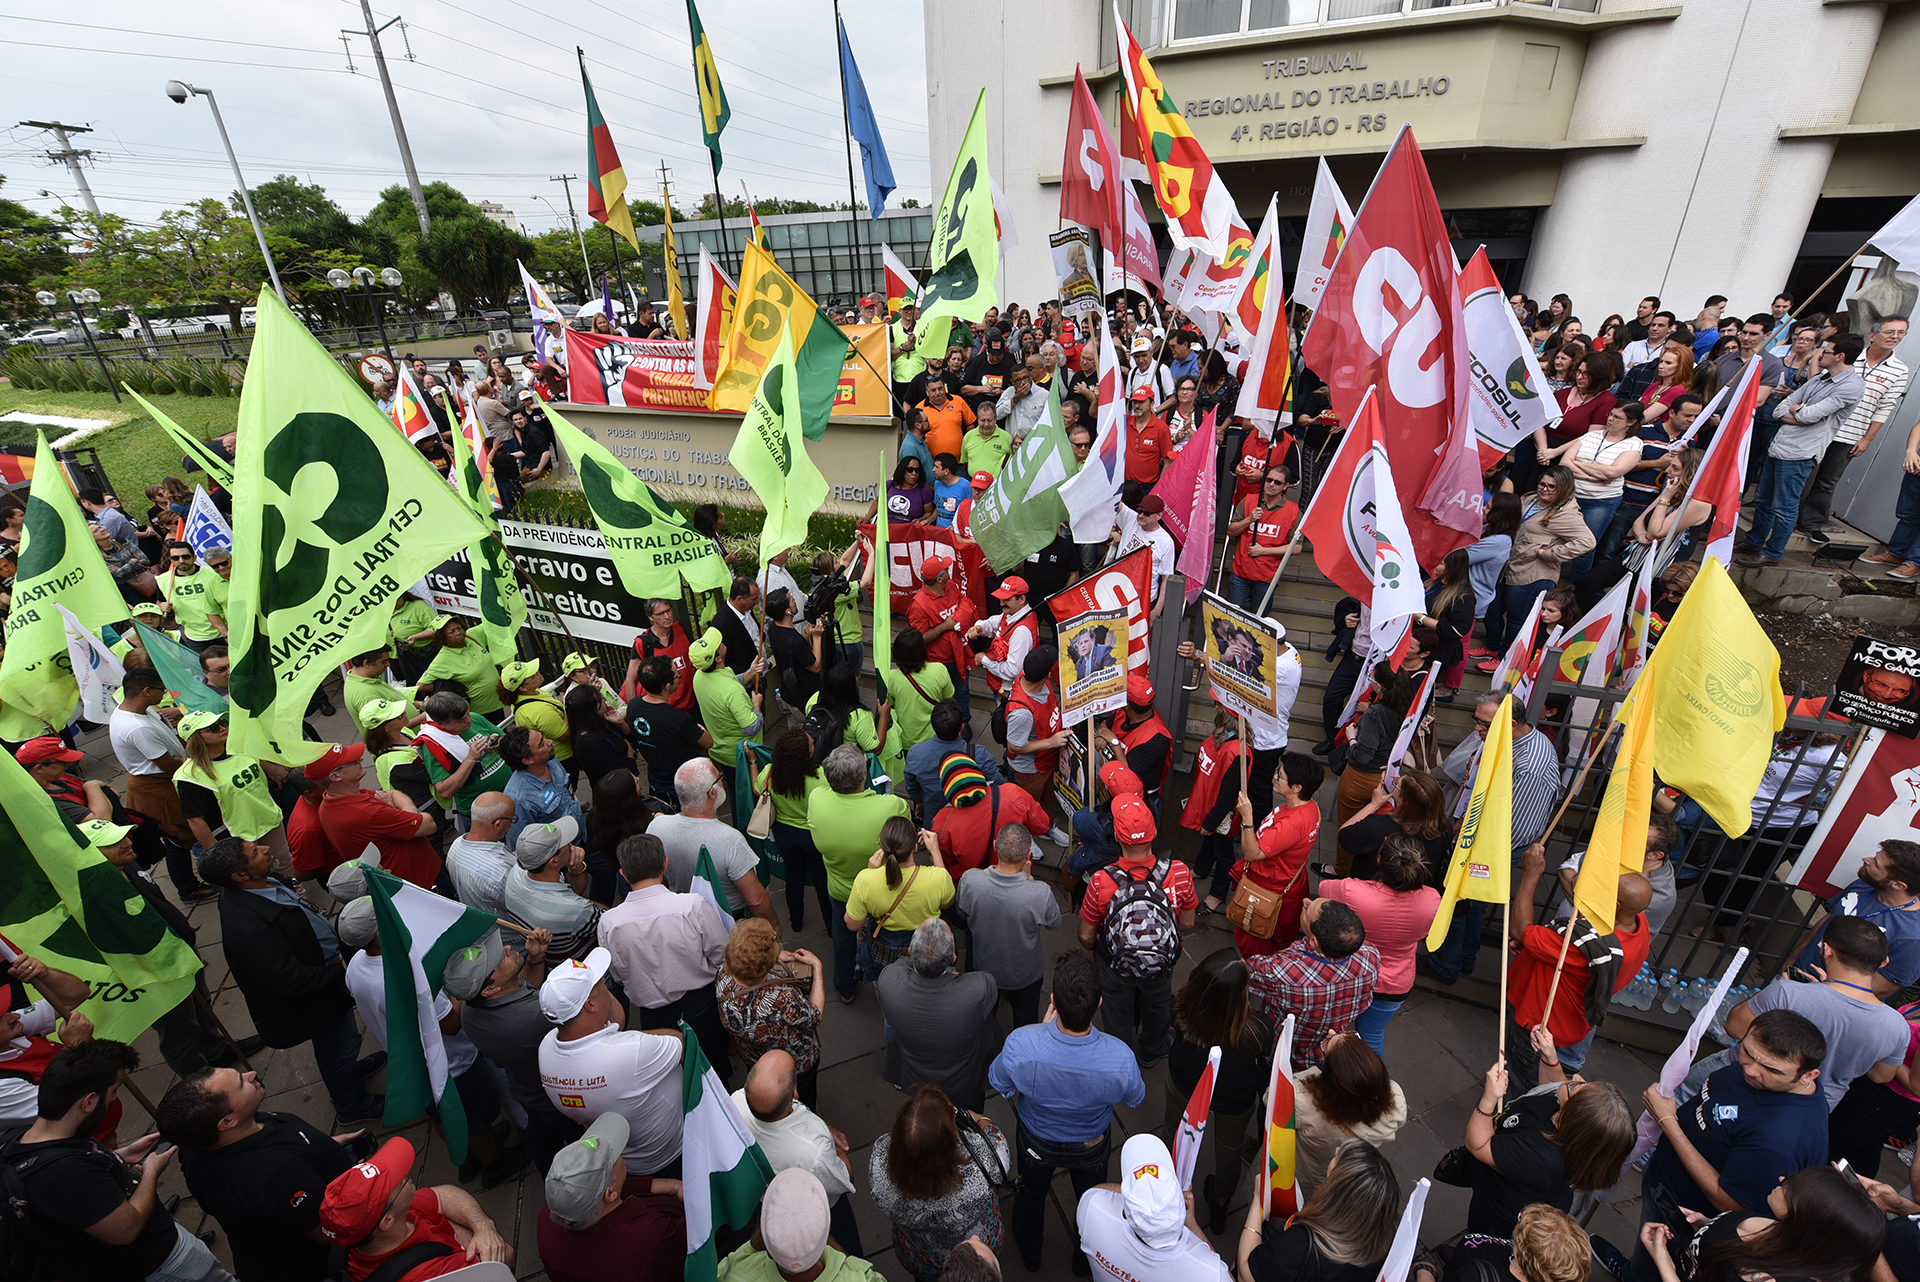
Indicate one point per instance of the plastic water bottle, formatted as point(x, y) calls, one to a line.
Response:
point(1642, 986)
point(1676, 997)
point(1664, 992)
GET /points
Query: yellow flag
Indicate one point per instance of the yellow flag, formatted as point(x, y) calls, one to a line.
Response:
point(1482, 866)
point(676, 296)
point(1719, 703)
point(1619, 844)
point(769, 299)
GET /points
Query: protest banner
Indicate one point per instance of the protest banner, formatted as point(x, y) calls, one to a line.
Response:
point(910, 543)
point(1878, 800)
point(575, 576)
point(1123, 584)
point(1093, 674)
point(1879, 685)
point(1073, 257)
point(607, 369)
point(1243, 654)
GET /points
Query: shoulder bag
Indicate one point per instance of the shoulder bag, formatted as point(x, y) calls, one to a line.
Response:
point(1256, 909)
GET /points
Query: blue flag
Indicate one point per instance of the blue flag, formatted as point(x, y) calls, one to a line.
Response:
point(864, 127)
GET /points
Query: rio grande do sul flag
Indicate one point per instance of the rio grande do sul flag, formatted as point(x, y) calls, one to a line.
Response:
point(723, 1172)
point(1198, 207)
point(1193, 1122)
point(1328, 218)
point(1508, 404)
point(900, 286)
point(715, 300)
point(419, 933)
point(334, 517)
point(1360, 538)
point(1274, 1190)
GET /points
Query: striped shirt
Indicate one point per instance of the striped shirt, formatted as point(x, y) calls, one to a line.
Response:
point(1536, 788)
point(1886, 385)
point(552, 905)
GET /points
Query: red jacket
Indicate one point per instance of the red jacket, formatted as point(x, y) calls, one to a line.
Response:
point(1530, 975)
point(928, 611)
point(1210, 774)
point(965, 840)
point(1046, 722)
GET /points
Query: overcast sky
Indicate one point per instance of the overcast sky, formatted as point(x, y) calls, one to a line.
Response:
point(492, 101)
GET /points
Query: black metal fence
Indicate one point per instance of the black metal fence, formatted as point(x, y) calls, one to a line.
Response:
point(1730, 891)
point(227, 345)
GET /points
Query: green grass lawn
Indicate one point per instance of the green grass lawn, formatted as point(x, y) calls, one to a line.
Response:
point(136, 452)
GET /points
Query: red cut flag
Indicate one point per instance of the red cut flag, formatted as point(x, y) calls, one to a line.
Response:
point(1177, 485)
point(1261, 310)
point(1090, 181)
point(1390, 319)
point(716, 297)
point(1123, 582)
point(1193, 1122)
point(409, 412)
point(1723, 471)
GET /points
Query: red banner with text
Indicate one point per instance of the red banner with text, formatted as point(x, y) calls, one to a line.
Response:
point(910, 543)
point(607, 369)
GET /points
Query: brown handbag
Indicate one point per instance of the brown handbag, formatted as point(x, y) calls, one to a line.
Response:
point(1255, 909)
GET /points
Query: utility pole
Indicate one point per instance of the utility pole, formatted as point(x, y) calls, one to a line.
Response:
point(393, 109)
point(68, 155)
point(567, 181)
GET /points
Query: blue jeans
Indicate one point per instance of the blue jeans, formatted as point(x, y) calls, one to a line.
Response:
point(1037, 1160)
point(1455, 957)
point(1247, 593)
point(846, 945)
point(1372, 1024)
point(1777, 504)
point(1620, 529)
point(1508, 610)
point(336, 1054)
point(804, 867)
point(1598, 514)
point(1905, 542)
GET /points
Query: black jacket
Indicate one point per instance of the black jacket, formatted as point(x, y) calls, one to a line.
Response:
point(742, 644)
point(293, 992)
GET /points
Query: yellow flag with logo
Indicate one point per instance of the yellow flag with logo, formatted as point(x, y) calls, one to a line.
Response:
point(335, 515)
point(769, 300)
point(1719, 702)
point(1482, 866)
point(1619, 843)
point(59, 561)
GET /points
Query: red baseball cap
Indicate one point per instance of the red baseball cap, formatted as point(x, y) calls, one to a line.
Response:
point(935, 565)
point(1141, 394)
point(1012, 585)
point(356, 1200)
point(45, 748)
point(1119, 779)
point(1139, 690)
point(983, 480)
point(1132, 821)
point(337, 755)
point(1151, 504)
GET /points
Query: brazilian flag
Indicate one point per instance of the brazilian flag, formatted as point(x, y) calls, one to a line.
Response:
point(714, 111)
point(61, 902)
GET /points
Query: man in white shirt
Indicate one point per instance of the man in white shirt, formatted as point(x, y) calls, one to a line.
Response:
point(149, 751)
point(1144, 1227)
point(1643, 350)
point(1886, 377)
point(25, 1051)
point(1144, 530)
point(774, 574)
point(590, 1065)
point(697, 786)
point(667, 948)
point(1021, 405)
point(794, 1136)
point(1015, 631)
point(478, 860)
point(471, 1076)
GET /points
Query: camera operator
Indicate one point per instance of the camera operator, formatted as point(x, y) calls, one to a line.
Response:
point(797, 663)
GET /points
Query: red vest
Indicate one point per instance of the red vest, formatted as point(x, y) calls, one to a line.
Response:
point(1269, 529)
point(31, 1064)
point(1003, 641)
point(1142, 734)
point(1256, 453)
point(647, 644)
point(1210, 772)
point(1046, 722)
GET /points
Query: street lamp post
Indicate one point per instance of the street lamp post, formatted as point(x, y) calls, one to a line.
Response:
point(364, 277)
point(180, 91)
point(89, 297)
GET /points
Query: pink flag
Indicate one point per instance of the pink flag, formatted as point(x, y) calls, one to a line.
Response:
point(1176, 485)
point(1193, 1122)
point(1196, 554)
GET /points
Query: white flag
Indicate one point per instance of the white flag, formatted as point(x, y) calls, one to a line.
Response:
point(206, 528)
point(1406, 1238)
point(1510, 400)
point(1410, 724)
point(539, 303)
point(1900, 240)
point(96, 669)
point(1091, 493)
point(1328, 219)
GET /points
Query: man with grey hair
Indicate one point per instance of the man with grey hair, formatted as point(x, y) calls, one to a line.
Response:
point(478, 860)
point(940, 1024)
point(697, 783)
point(845, 819)
point(1007, 910)
point(457, 748)
point(667, 948)
point(1886, 377)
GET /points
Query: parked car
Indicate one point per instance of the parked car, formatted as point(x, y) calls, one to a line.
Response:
point(47, 336)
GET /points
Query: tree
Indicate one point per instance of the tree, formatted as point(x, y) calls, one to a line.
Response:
point(470, 256)
point(556, 258)
point(32, 250)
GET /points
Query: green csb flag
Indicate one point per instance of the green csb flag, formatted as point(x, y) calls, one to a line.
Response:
point(62, 902)
point(59, 561)
point(179, 667)
point(770, 451)
point(652, 545)
point(503, 606)
point(965, 253)
point(714, 111)
point(335, 515)
point(1022, 512)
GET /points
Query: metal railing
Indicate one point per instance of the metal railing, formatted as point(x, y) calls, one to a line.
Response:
point(1729, 887)
point(226, 345)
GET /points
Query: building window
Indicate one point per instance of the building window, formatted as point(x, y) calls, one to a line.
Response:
point(1264, 15)
point(1193, 19)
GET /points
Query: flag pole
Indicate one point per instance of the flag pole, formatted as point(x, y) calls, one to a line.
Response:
point(720, 212)
point(846, 118)
point(1558, 966)
point(1506, 924)
point(619, 273)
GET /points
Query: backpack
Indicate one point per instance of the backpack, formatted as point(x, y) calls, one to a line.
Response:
point(1140, 935)
point(997, 722)
point(21, 1244)
point(397, 1266)
point(827, 731)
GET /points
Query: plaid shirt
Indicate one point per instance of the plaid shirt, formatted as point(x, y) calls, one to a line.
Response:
point(1322, 996)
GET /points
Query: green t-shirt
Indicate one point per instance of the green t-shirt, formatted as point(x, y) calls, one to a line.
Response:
point(383, 765)
point(490, 775)
point(912, 710)
point(931, 891)
point(193, 598)
point(727, 710)
point(791, 811)
point(470, 666)
point(906, 364)
point(985, 454)
point(541, 711)
point(415, 616)
point(239, 784)
point(749, 1265)
point(360, 691)
point(862, 731)
point(846, 830)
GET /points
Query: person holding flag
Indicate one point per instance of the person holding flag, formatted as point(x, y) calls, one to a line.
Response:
point(1212, 1015)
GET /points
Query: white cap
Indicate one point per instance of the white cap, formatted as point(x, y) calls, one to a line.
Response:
point(1151, 1192)
point(569, 984)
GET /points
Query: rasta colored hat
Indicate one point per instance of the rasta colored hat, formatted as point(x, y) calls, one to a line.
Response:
point(962, 780)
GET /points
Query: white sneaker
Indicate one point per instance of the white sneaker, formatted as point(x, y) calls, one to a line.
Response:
point(1056, 836)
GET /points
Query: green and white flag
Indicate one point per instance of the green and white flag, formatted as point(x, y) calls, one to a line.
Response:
point(194, 448)
point(652, 545)
point(722, 1170)
point(419, 932)
point(1023, 510)
point(503, 606)
point(771, 453)
point(335, 516)
point(707, 883)
point(965, 253)
point(179, 667)
point(62, 902)
point(59, 561)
